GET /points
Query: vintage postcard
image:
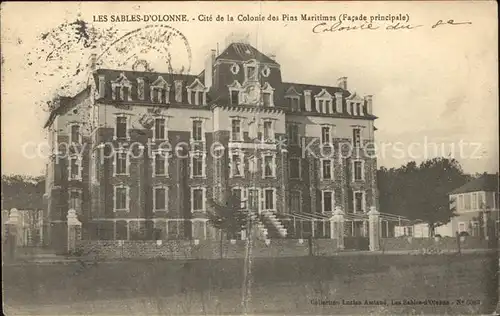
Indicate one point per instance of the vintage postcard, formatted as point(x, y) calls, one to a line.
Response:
point(250, 158)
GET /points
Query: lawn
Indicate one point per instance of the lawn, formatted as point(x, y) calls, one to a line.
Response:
point(280, 286)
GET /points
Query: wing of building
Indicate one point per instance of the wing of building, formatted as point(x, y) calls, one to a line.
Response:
point(139, 153)
point(475, 203)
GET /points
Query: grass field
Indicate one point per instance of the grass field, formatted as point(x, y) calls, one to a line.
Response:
point(280, 286)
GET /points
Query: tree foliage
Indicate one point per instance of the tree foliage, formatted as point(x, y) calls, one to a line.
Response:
point(22, 192)
point(421, 191)
point(228, 217)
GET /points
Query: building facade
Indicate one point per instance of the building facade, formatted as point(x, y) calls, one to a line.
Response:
point(139, 154)
point(476, 204)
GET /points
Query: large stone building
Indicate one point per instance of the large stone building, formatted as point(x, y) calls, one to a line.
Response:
point(138, 154)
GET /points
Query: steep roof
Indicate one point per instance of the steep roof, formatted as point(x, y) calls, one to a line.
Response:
point(244, 52)
point(316, 89)
point(64, 104)
point(486, 182)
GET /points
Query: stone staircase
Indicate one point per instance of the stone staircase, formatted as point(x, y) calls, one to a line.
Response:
point(274, 227)
point(259, 227)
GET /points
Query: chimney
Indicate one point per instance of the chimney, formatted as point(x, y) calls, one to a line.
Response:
point(307, 99)
point(369, 104)
point(272, 56)
point(342, 83)
point(209, 68)
point(338, 102)
point(178, 91)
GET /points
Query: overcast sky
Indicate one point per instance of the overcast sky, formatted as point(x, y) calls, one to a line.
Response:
point(430, 85)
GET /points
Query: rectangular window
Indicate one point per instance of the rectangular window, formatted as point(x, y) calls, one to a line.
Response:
point(197, 165)
point(320, 106)
point(75, 134)
point(75, 200)
point(251, 73)
point(327, 201)
point(194, 97)
point(475, 204)
point(197, 131)
point(294, 168)
point(155, 95)
point(358, 202)
point(267, 130)
point(237, 165)
point(121, 127)
point(197, 199)
point(326, 169)
point(269, 199)
point(294, 104)
point(467, 201)
point(356, 137)
point(235, 97)
point(461, 202)
point(236, 130)
point(475, 229)
point(121, 198)
point(160, 199)
point(253, 199)
point(160, 128)
point(409, 231)
point(126, 93)
point(74, 169)
point(121, 163)
point(237, 192)
point(293, 134)
point(268, 166)
point(160, 164)
point(358, 170)
point(325, 135)
point(295, 202)
point(266, 99)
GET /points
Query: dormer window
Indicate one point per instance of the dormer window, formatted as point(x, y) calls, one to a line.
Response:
point(293, 104)
point(324, 103)
point(234, 92)
point(293, 99)
point(251, 71)
point(197, 93)
point(267, 95)
point(235, 97)
point(266, 99)
point(355, 105)
point(160, 91)
point(121, 88)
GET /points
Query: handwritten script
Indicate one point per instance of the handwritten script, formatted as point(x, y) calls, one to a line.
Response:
point(340, 26)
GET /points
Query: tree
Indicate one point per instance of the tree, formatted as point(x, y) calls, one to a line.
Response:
point(421, 191)
point(227, 217)
point(23, 192)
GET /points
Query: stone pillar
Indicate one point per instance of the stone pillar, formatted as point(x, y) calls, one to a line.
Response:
point(11, 231)
point(374, 228)
point(337, 227)
point(74, 230)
